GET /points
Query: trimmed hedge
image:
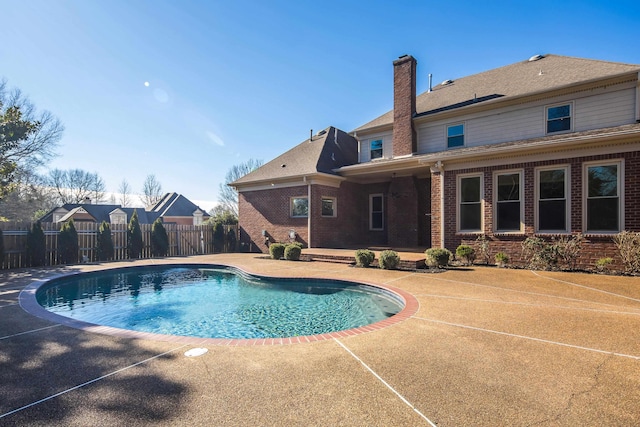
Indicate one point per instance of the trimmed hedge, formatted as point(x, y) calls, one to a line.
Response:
point(437, 257)
point(292, 252)
point(276, 250)
point(364, 257)
point(389, 260)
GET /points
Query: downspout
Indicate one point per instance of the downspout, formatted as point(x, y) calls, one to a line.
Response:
point(309, 213)
point(638, 99)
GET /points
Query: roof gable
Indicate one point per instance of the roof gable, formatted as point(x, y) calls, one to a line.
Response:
point(324, 152)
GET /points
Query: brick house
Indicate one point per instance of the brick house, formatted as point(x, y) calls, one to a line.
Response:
point(548, 146)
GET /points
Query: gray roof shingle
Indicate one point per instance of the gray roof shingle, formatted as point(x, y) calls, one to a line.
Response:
point(326, 151)
point(519, 79)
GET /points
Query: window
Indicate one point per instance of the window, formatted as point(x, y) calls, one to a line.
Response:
point(470, 203)
point(552, 193)
point(603, 197)
point(329, 206)
point(455, 136)
point(299, 207)
point(376, 149)
point(376, 212)
point(559, 118)
point(118, 217)
point(198, 218)
point(508, 201)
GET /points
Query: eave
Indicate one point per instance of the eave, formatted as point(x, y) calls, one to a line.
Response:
point(317, 178)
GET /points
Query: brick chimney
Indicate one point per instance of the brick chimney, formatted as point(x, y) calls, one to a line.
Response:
point(404, 106)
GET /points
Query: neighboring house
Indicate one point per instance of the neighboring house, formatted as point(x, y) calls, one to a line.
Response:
point(548, 146)
point(172, 208)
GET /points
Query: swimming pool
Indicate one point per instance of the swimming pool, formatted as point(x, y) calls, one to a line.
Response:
point(213, 301)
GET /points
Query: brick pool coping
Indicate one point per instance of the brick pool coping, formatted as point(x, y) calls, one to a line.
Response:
point(28, 302)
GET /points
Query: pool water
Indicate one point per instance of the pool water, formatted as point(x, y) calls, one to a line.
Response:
point(215, 302)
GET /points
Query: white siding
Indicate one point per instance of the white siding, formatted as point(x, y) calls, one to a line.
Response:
point(365, 147)
point(601, 110)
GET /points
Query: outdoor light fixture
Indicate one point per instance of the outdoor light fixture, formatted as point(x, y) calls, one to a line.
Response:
point(292, 234)
point(264, 233)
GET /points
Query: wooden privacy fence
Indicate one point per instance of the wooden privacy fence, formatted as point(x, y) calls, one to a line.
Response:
point(184, 240)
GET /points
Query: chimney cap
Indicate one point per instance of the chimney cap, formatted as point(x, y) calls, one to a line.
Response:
point(404, 58)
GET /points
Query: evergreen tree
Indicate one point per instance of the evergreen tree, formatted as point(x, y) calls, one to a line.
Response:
point(159, 239)
point(104, 246)
point(1, 247)
point(134, 237)
point(36, 246)
point(68, 243)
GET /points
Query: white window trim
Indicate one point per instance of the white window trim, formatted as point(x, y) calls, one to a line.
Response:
point(567, 196)
point(464, 135)
point(291, 215)
point(459, 201)
point(585, 194)
point(335, 206)
point(371, 196)
point(572, 116)
point(520, 172)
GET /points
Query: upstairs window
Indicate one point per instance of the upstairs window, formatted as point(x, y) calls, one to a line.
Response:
point(455, 136)
point(509, 202)
point(603, 197)
point(470, 199)
point(299, 207)
point(376, 149)
point(559, 118)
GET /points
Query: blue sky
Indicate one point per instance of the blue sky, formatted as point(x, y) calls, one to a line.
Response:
point(233, 80)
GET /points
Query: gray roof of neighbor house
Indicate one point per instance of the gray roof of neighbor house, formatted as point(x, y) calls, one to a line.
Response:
point(174, 204)
point(101, 212)
point(519, 79)
point(329, 149)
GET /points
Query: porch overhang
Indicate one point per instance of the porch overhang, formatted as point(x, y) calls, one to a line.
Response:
point(318, 178)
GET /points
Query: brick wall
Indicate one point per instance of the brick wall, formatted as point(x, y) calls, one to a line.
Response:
point(269, 210)
point(598, 246)
point(402, 213)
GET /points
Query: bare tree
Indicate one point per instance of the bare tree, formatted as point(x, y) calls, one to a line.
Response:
point(228, 196)
point(29, 199)
point(77, 185)
point(125, 193)
point(28, 138)
point(151, 191)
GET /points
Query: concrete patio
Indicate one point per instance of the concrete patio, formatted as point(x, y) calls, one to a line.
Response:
point(486, 346)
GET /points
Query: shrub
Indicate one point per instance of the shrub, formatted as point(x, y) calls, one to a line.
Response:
point(437, 257)
point(68, 243)
point(134, 237)
point(36, 246)
point(539, 254)
point(104, 242)
point(276, 250)
point(568, 248)
point(548, 255)
point(628, 245)
point(483, 248)
point(159, 239)
point(501, 259)
point(603, 264)
point(466, 253)
point(364, 257)
point(389, 260)
point(292, 252)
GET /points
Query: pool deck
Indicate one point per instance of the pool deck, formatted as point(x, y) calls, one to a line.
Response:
point(485, 346)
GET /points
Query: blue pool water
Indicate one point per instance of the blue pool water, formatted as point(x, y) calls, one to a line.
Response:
point(215, 302)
